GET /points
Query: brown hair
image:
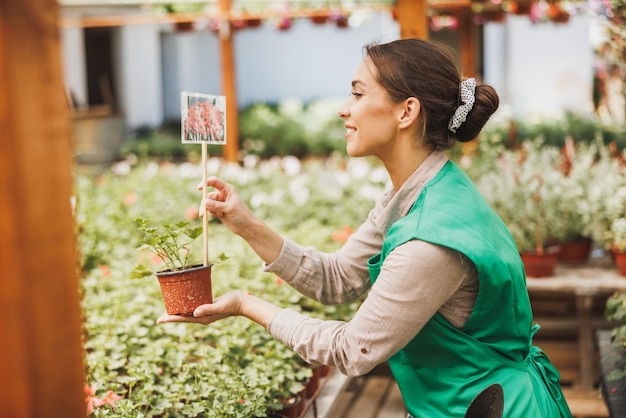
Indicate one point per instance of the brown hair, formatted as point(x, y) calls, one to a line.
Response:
point(429, 71)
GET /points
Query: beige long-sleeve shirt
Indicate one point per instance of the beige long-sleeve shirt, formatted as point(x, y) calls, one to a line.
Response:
point(416, 280)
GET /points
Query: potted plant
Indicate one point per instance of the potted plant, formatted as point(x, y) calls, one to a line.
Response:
point(571, 184)
point(185, 284)
point(618, 238)
point(611, 347)
point(606, 199)
point(524, 193)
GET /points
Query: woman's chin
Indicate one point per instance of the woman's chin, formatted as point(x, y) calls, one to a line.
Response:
point(353, 152)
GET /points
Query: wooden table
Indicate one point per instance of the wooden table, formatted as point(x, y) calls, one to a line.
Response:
point(596, 278)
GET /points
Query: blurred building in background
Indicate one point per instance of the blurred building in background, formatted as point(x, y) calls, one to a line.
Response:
point(137, 63)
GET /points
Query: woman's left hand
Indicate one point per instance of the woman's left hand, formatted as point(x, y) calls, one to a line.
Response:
point(229, 304)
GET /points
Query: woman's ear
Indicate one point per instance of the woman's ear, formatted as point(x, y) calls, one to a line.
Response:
point(410, 110)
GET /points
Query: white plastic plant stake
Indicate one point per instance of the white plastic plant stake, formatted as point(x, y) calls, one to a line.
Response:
point(203, 121)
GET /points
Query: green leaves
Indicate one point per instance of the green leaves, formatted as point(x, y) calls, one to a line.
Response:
point(168, 242)
point(140, 271)
point(232, 368)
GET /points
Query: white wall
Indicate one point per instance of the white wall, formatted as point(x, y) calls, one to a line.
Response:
point(191, 62)
point(306, 62)
point(74, 72)
point(495, 63)
point(549, 67)
point(537, 69)
point(139, 74)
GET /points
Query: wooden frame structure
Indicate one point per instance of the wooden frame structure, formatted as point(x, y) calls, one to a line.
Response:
point(412, 17)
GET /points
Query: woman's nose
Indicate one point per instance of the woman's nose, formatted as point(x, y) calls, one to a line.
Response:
point(344, 110)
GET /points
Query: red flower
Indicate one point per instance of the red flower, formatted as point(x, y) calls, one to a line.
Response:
point(279, 281)
point(104, 269)
point(110, 399)
point(342, 235)
point(155, 259)
point(92, 400)
point(191, 212)
point(130, 199)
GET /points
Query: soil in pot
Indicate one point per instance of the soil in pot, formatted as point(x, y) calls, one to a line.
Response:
point(185, 290)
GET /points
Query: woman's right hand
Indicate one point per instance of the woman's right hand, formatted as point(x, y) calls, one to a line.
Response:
point(224, 203)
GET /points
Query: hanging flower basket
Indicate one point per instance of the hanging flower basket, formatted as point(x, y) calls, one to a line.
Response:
point(284, 24)
point(319, 19)
point(557, 14)
point(521, 7)
point(184, 26)
point(254, 23)
point(342, 22)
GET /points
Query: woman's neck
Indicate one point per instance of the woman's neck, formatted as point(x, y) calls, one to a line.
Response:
point(401, 166)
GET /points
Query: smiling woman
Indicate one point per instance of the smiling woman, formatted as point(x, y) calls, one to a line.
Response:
point(431, 242)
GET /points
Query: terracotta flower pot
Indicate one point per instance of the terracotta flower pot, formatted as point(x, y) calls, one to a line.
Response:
point(620, 262)
point(303, 401)
point(314, 382)
point(291, 406)
point(539, 265)
point(575, 252)
point(185, 290)
point(319, 19)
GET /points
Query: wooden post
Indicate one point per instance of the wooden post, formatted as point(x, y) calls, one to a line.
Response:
point(229, 87)
point(468, 42)
point(413, 18)
point(41, 360)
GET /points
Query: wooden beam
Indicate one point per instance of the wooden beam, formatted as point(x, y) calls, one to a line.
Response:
point(41, 366)
point(468, 43)
point(413, 18)
point(229, 85)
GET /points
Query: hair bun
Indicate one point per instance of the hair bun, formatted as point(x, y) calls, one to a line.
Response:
point(485, 105)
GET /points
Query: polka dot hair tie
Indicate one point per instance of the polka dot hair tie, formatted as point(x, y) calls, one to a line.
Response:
point(468, 90)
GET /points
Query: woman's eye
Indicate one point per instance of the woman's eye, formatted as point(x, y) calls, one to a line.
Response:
point(355, 94)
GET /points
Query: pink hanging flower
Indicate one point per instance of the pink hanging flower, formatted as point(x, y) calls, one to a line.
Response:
point(536, 12)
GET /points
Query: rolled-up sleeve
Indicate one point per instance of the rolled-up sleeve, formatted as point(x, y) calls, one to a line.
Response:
point(417, 278)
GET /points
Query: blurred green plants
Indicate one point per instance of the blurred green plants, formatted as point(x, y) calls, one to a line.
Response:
point(233, 368)
point(229, 369)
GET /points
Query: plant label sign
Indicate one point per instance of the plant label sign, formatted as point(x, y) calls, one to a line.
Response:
point(203, 118)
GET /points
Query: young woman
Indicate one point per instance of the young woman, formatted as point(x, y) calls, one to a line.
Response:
point(447, 306)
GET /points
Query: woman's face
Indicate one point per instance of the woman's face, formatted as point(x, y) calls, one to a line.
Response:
point(369, 115)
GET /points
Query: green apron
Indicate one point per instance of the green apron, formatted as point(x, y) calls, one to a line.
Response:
point(443, 368)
